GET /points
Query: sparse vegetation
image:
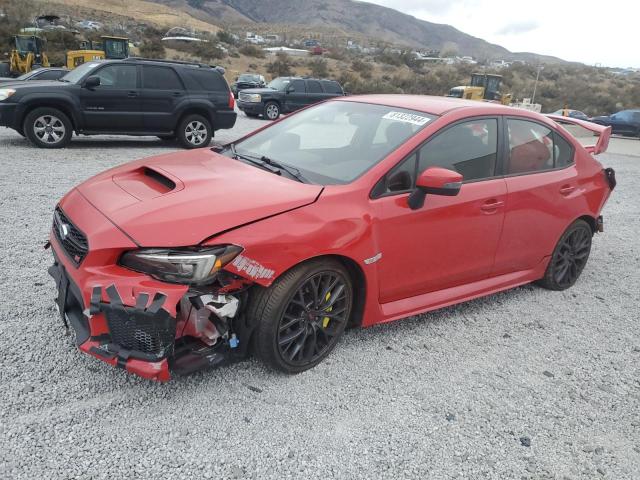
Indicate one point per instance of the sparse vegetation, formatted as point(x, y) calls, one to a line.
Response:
point(251, 51)
point(318, 68)
point(281, 66)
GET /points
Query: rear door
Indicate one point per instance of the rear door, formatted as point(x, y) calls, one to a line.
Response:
point(315, 92)
point(114, 105)
point(162, 91)
point(543, 194)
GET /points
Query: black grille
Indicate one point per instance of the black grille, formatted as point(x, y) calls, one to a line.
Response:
point(141, 333)
point(72, 240)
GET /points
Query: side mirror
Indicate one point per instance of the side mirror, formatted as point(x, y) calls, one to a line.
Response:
point(435, 181)
point(290, 89)
point(91, 82)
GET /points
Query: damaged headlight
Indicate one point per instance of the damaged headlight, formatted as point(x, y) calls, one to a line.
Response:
point(181, 266)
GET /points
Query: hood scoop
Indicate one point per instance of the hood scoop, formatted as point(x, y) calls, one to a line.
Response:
point(145, 183)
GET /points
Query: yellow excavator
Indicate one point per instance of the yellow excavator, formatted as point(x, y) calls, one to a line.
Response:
point(27, 54)
point(484, 87)
point(107, 47)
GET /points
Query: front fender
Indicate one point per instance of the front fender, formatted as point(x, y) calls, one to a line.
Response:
point(69, 104)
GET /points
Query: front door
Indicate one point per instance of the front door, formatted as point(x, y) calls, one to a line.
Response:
point(450, 241)
point(114, 105)
point(295, 95)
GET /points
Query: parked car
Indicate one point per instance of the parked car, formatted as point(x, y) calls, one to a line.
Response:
point(133, 96)
point(286, 94)
point(566, 112)
point(356, 211)
point(625, 122)
point(45, 73)
point(247, 80)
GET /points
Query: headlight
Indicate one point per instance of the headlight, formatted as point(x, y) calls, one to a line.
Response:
point(6, 93)
point(181, 266)
point(253, 97)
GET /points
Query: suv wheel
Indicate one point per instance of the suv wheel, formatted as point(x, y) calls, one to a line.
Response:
point(48, 128)
point(194, 131)
point(271, 111)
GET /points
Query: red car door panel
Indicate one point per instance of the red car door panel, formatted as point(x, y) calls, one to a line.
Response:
point(449, 242)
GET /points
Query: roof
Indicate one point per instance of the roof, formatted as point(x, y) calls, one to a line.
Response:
point(428, 104)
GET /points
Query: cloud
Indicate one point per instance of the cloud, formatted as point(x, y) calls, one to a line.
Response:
point(516, 28)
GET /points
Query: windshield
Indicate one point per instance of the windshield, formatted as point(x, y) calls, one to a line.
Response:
point(278, 83)
point(335, 142)
point(27, 44)
point(77, 73)
point(24, 76)
point(249, 78)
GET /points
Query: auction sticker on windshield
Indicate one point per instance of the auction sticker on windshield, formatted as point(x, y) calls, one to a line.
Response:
point(407, 117)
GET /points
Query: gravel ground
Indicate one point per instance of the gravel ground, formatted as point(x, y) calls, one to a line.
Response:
point(526, 384)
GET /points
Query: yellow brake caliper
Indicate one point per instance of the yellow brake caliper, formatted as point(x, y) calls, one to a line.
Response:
point(325, 320)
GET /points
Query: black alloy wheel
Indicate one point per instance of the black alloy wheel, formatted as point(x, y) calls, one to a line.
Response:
point(314, 318)
point(302, 315)
point(569, 257)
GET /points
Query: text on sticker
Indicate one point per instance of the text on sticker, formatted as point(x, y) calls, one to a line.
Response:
point(406, 117)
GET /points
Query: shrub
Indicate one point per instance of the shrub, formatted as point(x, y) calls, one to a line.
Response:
point(252, 51)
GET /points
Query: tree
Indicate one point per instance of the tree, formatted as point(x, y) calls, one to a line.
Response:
point(281, 66)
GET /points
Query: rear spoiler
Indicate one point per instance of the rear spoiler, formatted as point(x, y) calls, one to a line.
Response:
point(603, 133)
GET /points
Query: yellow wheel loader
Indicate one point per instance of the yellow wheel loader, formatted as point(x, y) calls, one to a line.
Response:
point(107, 47)
point(484, 87)
point(27, 54)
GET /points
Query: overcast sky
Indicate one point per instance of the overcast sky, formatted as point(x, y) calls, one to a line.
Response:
point(570, 29)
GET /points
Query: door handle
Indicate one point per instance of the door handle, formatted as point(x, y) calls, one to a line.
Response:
point(132, 94)
point(177, 94)
point(491, 205)
point(566, 189)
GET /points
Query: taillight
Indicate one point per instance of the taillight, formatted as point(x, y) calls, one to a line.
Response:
point(232, 101)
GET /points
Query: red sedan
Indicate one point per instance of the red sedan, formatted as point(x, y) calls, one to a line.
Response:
point(353, 212)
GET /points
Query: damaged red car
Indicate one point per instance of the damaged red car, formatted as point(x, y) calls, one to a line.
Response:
point(353, 212)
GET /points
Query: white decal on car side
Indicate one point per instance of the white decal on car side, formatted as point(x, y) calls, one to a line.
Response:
point(373, 259)
point(252, 268)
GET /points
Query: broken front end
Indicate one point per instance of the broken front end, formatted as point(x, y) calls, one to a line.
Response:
point(149, 311)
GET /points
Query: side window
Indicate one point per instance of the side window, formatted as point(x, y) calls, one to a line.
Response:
point(331, 87)
point(562, 151)
point(469, 148)
point(400, 178)
point(117, 76)
point(313, 86)
point(207, 80)
point(530, 147)
point(298, 85)
point(160, 78)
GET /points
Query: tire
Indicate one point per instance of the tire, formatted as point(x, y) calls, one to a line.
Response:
point(288, 336)
point(569, 257)
point(194, 131)
point(271, 110)
point(48, 128)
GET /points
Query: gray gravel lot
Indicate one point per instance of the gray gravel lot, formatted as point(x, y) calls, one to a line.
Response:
point(526, 384)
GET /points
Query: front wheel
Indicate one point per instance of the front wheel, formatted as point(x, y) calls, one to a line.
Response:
point(569, 257)
point(47, 128)
point(302, 315)
point(271, 111)
point(194, 131)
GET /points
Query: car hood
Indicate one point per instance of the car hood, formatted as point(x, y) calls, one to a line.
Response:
point(34, 84)
point(183, 198)
point(259, 90)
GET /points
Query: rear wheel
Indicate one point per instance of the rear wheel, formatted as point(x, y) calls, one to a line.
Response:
point(271, 110)
point(48, 128)
point(569, 257)
point(195, 131)
point(302, 315)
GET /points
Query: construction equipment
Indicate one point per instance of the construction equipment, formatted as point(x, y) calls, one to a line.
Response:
point(484, 87)
point(27, 54)
point(107, 47)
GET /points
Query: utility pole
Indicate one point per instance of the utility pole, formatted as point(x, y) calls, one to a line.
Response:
point(535, 85)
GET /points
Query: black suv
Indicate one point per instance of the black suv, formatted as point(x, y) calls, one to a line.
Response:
point(286, 94)
point(125, 97)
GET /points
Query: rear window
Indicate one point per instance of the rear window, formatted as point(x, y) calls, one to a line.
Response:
point(331, 87)
point(207, 80)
